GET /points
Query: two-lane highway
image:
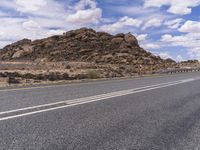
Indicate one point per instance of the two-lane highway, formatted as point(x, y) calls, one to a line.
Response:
point(144, 113)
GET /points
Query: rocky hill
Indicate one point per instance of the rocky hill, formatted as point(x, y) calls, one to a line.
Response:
point(79, 54)
point(83, 45)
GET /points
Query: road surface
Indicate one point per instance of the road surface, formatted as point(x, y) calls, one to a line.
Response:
point(161, 113)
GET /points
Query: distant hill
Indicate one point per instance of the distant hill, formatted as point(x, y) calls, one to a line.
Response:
point(85, 45)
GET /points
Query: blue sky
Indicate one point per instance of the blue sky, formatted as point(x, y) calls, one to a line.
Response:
point(169, 28)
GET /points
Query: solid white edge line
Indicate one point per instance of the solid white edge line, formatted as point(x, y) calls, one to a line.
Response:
point(85, 98)
point(80, 103)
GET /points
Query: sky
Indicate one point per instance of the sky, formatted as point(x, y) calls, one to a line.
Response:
point(168, 28)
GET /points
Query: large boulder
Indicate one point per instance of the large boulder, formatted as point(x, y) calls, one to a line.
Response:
point(18, 54)
point(24, 50)
point(117, 40)
point(129, 38)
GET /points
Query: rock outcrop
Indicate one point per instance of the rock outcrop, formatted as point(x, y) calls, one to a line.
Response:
point(85, 45)
point(78, 54)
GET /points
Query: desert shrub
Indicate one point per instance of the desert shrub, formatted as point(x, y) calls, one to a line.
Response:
point(12, 80)
point(3, 75)
point(68, 67)
point(54, 76)
point(65, 76)
point(81, 76)
point(12, 74)
point(28, 76)
point(40, 77)
point(93, 74)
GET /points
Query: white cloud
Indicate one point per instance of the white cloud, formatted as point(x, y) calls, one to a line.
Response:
point(174, 24)
point(6, 27)
point(41, 18)
point(8, 4)
point(155, 22)
point(191, 27)
point(52, 11)
point(179, 58)
point(14, 29)
point(150, 46)
point(83, 3)
point(84, 12)
point(165, 55)
point(122, 22)
point(55, 32)
point(85, 16)
point(176, 6)
point(190, 41)
point(186, 40)
point(30, 5)
point(22, 29)
point(46, 13)
point(4, 43)
point(194, 53)
point(141, 37)
point(166, 38)
point(31, 25)
point(130, 21)
point(130, 10)
point(39, 8)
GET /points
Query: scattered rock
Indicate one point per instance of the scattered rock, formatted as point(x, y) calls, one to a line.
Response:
point(117, 40)
point(85, 45)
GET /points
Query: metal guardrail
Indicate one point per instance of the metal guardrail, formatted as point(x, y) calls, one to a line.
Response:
point(180, 70)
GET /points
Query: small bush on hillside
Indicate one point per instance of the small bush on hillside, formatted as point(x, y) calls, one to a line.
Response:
point(93, 74)
point(12, 80)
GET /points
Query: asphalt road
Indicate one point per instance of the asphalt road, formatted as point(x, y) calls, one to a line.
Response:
point(161, 113)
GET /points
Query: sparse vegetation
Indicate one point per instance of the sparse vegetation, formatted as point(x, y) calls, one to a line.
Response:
point(93, 74)
point(76, 55)
point(13, 80)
